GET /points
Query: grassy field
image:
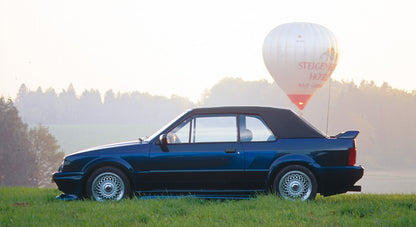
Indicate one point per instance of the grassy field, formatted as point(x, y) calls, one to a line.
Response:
point(37, 207)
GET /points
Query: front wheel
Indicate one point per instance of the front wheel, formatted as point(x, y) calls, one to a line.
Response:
point(296, 182)
point(108, 183)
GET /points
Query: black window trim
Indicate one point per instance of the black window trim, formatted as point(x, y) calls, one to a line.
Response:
point(237, 117)
point(264, 122)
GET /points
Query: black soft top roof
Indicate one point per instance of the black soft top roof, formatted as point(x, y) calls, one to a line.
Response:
point(283, 122)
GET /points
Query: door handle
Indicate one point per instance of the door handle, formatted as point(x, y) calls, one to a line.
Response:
point(230, 150)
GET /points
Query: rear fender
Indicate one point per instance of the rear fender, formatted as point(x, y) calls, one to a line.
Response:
point(290, 159)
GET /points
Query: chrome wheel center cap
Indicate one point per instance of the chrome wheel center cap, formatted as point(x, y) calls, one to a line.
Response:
point(108, 188)
point(295, 186)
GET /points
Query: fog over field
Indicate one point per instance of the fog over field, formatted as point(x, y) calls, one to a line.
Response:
point(383, 115)
point(389, 181)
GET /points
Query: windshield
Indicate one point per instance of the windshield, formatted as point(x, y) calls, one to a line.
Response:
point(166, 126)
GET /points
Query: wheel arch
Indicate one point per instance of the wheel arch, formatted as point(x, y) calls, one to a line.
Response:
point(120, 164)
point(288, 160)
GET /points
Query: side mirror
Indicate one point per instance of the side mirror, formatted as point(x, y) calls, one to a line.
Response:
point(162, 140)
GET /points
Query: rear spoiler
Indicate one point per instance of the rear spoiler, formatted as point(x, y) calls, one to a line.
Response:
point(347, 135)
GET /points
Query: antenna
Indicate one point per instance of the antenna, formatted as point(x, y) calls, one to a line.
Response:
point(327, 112)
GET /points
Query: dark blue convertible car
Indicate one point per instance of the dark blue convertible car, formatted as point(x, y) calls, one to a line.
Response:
point(220, 152)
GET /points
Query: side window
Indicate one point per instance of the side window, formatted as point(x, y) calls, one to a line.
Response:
point(180, 134)
point(253, 128)
point(218, 128)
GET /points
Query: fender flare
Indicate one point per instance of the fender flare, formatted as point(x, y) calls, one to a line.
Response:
point(109, 161)
point(290, 159)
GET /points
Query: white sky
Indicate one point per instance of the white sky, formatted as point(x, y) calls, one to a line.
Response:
point(183, 47)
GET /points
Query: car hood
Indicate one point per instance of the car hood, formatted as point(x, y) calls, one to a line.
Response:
point(112, 148)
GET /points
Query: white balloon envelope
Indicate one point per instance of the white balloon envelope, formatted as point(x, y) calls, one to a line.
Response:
point(301, 58)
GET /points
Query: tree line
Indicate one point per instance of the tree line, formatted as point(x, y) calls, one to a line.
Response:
point(383, 115)
point(27, 156)
point(48, 107)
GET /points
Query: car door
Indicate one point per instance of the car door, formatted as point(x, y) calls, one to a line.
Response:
point(260, 149)
point(201, 153)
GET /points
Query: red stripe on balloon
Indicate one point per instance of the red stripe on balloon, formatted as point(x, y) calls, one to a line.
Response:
point(300, 100)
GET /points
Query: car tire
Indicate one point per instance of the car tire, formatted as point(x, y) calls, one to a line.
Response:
point(108, 183)
point(295, 182)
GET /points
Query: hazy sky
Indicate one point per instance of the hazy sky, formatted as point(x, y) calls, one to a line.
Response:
point(182, 47)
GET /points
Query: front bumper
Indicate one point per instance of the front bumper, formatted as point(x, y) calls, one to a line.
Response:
point(336, 180)
point(69, 182)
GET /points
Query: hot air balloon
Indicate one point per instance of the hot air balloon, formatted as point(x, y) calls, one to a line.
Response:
point(301, 58)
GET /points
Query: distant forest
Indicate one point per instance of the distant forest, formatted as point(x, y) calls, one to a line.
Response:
point(384, 116)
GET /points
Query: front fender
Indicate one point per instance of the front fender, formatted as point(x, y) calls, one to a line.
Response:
point(108, 161)
point(289, 159)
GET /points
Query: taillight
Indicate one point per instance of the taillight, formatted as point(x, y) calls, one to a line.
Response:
point(352, 155)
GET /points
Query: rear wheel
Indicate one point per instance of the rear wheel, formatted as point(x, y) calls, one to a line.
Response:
point(296, 182)
point(108, 183)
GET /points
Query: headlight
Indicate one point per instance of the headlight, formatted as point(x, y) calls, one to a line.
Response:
point(65, 163)
point(60, 168)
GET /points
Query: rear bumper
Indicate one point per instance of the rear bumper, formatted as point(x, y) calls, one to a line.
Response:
point(69, 182)
point(336, 180)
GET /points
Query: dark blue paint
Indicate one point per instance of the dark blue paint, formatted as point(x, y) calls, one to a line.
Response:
point(218, 170)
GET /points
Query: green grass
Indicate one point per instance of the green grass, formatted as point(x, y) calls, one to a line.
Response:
point(38, 207)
